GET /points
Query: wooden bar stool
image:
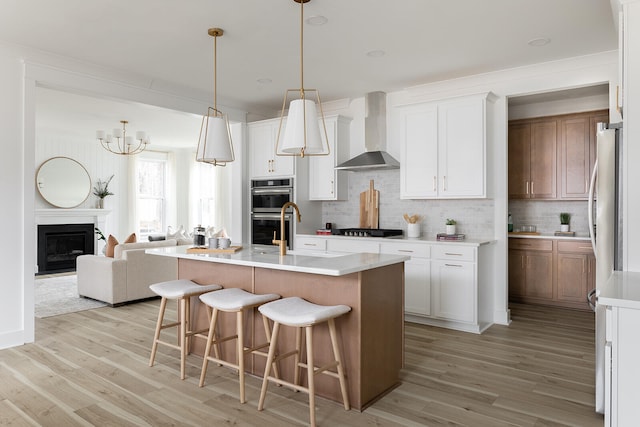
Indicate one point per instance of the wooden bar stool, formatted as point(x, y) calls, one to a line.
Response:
point(234, 300)
point(182, 291)
point(299, 313)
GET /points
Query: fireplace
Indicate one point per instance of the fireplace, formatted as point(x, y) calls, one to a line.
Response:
point(60, 244)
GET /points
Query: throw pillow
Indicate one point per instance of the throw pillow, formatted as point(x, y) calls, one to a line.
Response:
point(131, 238)
point(111, 244)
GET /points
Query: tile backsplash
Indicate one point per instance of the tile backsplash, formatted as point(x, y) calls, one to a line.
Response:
point(474, 217)
point(545, 215)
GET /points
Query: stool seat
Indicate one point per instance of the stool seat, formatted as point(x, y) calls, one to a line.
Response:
point(174, 289)
point(297, 312)
point(180, 290)
point(234, 299)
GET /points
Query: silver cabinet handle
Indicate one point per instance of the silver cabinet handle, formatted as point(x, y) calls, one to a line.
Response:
point(444, 183)
point(435, 183)
point(450, 253)
point(453, 265)
point(591, 299)
point(405, 250)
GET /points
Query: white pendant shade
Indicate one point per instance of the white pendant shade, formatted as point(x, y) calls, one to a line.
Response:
point(298, 136)
point(214, 145)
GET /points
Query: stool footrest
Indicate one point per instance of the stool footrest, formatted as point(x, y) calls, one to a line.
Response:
point(322, 369)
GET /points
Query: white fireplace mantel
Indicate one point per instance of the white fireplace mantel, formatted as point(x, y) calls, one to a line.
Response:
point(72, 216)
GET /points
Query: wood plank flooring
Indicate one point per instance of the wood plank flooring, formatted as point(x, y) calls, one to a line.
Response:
point(90, 368)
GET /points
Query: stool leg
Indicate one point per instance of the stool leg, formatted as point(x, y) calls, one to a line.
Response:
point(267, 368)
point(310, 376)
point(207, 351)
point(296, 357)
point(240, 352)
point(183, 336)
point(267, 333)
point(187, 325)
point(338, 357)
point(156, 335)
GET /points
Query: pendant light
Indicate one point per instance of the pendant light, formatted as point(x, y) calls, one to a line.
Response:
point(305, 133)
point(214, 144)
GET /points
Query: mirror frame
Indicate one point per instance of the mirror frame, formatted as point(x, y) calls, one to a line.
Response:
point(71, 167)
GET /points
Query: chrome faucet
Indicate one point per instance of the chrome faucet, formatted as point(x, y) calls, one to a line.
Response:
point(282, 242)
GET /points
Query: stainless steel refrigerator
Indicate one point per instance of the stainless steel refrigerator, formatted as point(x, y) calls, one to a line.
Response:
point(605, 218)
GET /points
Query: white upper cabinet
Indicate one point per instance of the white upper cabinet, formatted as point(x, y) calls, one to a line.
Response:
point(326, 183)
point(444, 149)
point(263, 162)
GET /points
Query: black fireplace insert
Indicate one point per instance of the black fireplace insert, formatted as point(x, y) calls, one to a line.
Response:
point(60, 244)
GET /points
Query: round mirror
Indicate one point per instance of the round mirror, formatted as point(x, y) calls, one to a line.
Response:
point(63, 182)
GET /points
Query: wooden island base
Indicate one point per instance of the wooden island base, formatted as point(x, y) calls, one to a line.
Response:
point(371, 336)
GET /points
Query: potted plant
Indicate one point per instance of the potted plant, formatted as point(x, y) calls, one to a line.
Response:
point(565, 217)
point(451, 226)
point(101, 190)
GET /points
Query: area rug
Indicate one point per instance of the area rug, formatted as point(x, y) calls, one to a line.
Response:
point(59, 295)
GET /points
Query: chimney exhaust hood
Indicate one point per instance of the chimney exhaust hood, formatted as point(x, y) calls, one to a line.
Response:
point(375, 138)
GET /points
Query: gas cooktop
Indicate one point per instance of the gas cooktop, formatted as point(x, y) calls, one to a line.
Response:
point(366, 232)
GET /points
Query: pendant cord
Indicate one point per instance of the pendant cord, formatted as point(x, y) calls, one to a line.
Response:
point(301, 49)
point(215, 74)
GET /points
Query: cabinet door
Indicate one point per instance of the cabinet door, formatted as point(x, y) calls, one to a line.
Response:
point(326, 183)
point(352, 245)
point(517, 271)
point(454, 290)
point(419, 157)
point(543, 160)
point(573, 271)
point(260, 150)
point(575, 160)
point(539, 275)
point(519, 160)
point(417, 287)
point(461, 148)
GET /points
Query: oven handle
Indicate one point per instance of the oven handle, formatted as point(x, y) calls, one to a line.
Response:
point(271, 190)
point(287, 217)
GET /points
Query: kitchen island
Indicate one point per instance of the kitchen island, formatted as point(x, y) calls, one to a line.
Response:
point(371, 336)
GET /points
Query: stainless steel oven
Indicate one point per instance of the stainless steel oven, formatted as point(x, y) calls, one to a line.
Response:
point(263, 226)
point(267, 198)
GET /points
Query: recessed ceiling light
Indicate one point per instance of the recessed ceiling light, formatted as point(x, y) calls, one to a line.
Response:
point(264, 81)
point(317, 20)
point(376, 53)
point(540, 41)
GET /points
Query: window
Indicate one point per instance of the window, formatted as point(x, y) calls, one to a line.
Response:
point(205, 197)
point(151, 195)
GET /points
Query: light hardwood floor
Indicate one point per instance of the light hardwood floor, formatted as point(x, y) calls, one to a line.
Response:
point(90, 368)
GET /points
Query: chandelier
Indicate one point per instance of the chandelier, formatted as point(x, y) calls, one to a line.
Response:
point(119, 143)
point(214, 144)
point(302, 134)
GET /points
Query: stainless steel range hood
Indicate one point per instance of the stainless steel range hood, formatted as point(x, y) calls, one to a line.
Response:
point(375, 137)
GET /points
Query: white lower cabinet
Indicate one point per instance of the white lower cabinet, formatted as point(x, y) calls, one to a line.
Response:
point(417, 277)
point(445, 284)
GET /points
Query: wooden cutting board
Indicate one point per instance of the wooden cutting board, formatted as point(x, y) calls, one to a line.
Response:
point(369, 201)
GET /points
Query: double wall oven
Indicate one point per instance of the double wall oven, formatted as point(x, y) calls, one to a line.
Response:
point(267, 198)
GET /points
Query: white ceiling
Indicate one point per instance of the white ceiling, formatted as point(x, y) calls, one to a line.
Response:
point(165, 42)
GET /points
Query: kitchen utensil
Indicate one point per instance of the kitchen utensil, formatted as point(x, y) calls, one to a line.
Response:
point(369, 202)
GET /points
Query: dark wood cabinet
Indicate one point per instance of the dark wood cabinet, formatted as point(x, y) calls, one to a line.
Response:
point(552, 157)
point(551, 271)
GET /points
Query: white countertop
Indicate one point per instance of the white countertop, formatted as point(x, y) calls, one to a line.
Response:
point(426, 240)
point(264, 256)
point(547, 236)
point(621, 290)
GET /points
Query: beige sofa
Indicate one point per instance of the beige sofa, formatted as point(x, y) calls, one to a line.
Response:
point(125, 277)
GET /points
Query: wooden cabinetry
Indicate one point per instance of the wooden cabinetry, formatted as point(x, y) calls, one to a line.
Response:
point(531, 268)
point(532, 159)
point(326, 183)
point(550, 271)
point(552, 157)
point(444, 148)
point(263, 162)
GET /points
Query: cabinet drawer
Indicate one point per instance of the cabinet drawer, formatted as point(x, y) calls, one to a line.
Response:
point(454, 253)
point(581, 247)
point(531, 244)
point(353, 245)
point(310, 243)
point(410, 249)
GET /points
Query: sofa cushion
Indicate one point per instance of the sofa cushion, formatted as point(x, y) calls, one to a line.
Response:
point(111, 244)
point(122, 247)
